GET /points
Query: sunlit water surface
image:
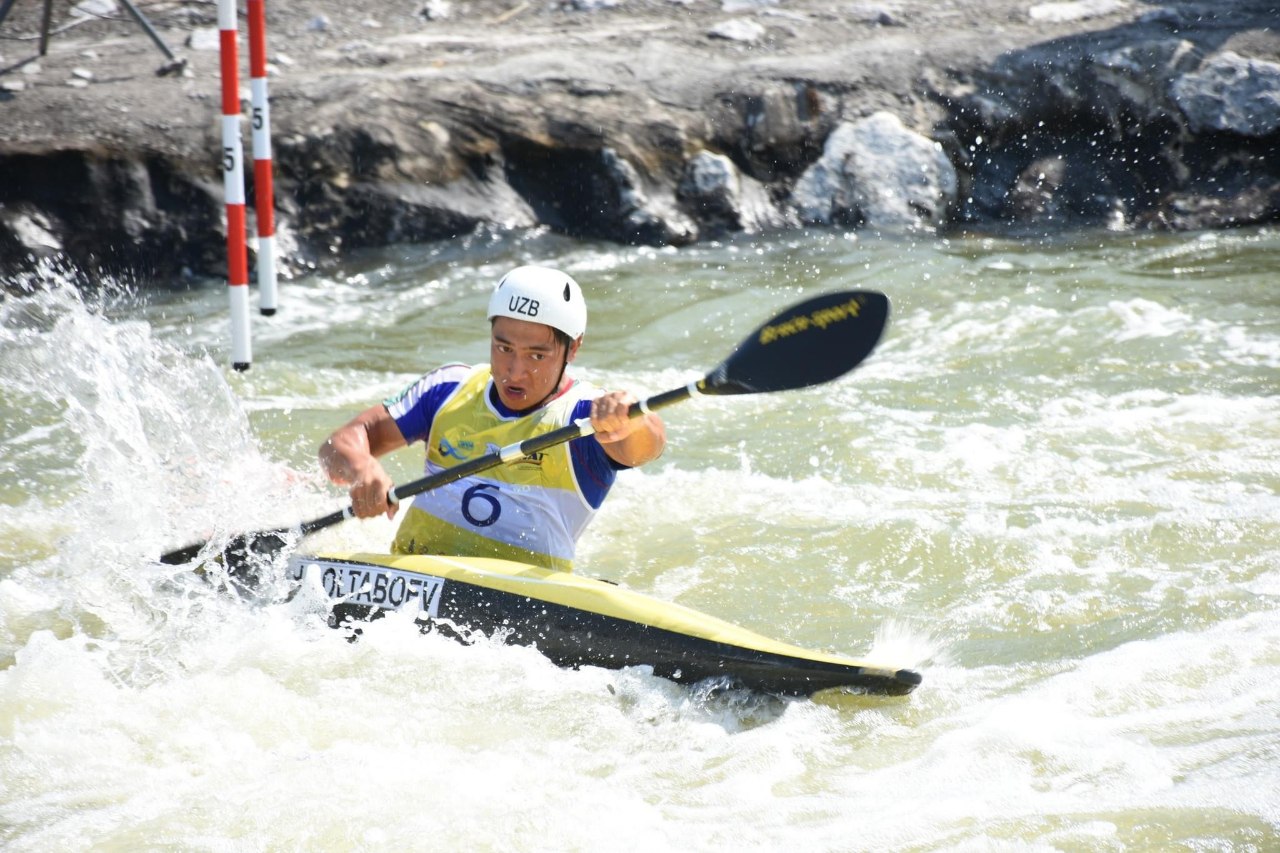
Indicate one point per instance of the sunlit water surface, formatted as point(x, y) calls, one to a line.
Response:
point(1052, 489)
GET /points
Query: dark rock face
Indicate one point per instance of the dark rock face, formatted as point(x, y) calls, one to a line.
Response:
point(658, 122)
point(1131, 128)
point(114, 212)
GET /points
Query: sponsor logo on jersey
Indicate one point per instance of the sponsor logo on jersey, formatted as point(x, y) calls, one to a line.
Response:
point(461, 452)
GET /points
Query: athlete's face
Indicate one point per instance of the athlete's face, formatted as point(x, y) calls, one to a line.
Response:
point(526, 360)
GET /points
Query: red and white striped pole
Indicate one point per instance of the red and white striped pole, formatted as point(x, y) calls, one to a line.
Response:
point(263, 195)
point(233, 187)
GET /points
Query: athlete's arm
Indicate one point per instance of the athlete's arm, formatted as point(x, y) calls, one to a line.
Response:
point(628, 441)
point(349, 457)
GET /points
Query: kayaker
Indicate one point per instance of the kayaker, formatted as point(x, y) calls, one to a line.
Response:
point(533, 510)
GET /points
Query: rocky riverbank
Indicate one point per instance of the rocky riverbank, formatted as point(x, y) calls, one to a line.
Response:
point(647, 121)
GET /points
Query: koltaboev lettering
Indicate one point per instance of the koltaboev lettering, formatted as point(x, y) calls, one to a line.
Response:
point(378, 588)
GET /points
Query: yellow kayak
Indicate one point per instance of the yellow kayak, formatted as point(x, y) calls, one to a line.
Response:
point(578, 621)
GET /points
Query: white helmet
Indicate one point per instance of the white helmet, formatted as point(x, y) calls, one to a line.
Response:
point(541, 295)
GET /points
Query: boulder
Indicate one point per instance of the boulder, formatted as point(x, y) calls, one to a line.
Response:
point(1231, 93)
point(721, 199)
point(879, 173)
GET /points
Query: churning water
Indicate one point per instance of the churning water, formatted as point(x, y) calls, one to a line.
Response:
point(1053, 489)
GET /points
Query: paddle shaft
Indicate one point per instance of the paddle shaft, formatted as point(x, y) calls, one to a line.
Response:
point(510, 453)
point(809, 343)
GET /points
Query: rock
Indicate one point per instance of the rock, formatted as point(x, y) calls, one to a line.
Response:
point(95, 8)
point(30, 231)
point(365, 54)
point(591, 5)
point(1231, 93)
point(772, 131)
point(436, 10)
point(1168, 17)
point(1134, 80)
point(204, 38)
point(1197, 211)
point(645, 218)
point(1035, 195)
point(870, 13)
point(737, 29)
point(877, 172)
point(721, 199)
point(1074, 10)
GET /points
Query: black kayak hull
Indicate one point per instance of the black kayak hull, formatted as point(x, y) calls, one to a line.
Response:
point(576, 621)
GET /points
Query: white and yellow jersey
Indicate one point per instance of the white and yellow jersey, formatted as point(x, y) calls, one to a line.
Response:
point(532, 510)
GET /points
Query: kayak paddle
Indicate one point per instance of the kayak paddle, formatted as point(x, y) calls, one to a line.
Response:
point(812, 342)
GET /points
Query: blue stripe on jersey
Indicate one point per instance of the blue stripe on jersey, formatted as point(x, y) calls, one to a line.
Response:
point(594, 468)
point(414, 408)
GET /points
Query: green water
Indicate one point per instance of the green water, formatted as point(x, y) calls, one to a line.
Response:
point(1053, 489)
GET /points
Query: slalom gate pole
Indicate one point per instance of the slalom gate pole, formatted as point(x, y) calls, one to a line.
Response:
point(263, 194)
point(233, 187)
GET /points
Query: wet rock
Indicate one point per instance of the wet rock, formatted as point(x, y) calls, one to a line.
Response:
point(643, 215)
point(1074, 10)
point(1231, 93)
point(1192, 211)
point(624, 121)
point(1133, 81)
point(29, 232)
point(737, 30)
point(1139, 125)
point(772, 131)
point(878, 173)
point(721, 199)
point(1036, 196)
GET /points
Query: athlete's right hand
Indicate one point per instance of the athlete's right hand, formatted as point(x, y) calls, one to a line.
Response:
point(349, 457)
point(369, 492)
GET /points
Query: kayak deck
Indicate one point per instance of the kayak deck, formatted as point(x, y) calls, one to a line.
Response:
point(576, 621)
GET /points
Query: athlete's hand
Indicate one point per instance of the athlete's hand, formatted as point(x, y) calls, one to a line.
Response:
point(610, 418)
point(369, 492)
point(349, 458)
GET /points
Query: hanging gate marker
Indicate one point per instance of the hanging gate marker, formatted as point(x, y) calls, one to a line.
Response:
point(263, 194)
point(233, 187)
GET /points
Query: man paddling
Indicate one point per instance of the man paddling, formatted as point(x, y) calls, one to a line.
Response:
point(532, 510)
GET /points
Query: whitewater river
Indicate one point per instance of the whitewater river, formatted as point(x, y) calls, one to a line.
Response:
point(1054, 489)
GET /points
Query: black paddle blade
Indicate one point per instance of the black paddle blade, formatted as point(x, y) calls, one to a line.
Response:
point(180, 556)
point(264, 545)
point(239, 551)
point(813, 342)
